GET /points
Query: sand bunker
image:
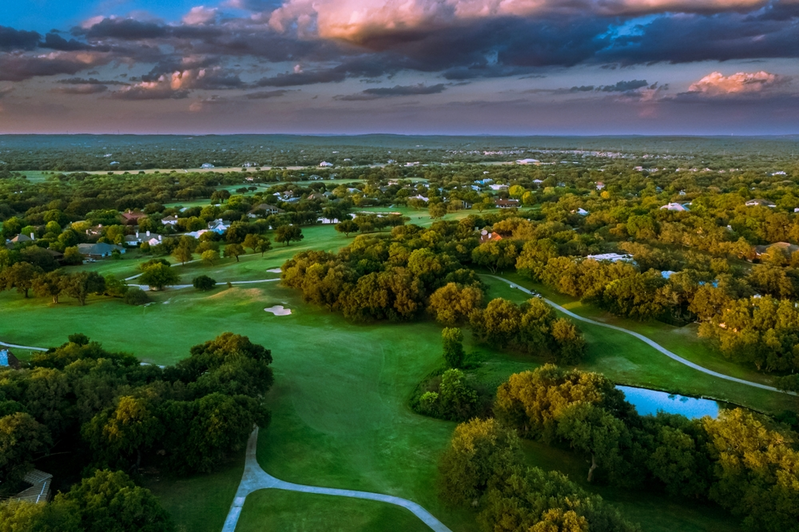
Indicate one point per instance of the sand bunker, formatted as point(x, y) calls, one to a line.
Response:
point(274, 270)
point(279, 310)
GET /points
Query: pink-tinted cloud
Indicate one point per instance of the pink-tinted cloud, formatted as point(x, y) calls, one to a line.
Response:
point(177, 84)
point(360, 20)
point(740, 83)
point(200, 15)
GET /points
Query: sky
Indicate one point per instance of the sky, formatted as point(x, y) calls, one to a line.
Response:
point(518, 67)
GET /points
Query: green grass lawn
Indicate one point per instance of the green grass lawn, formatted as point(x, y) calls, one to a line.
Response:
point(199, 503)
point(268, 510)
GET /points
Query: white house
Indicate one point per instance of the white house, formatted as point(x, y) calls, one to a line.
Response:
point(527, 161)
point(419, 196)
point(170, 220)
point(498, 187)
point(218, 226)
point(263, 208)
point(325, 164)
point(581, 212)
point(611, 257)
point(207, 165)
point(675, 207)
point(760, 203)
point(153, 240)
point(197, 234)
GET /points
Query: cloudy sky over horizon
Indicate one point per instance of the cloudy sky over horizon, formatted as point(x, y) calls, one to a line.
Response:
point(406, 66)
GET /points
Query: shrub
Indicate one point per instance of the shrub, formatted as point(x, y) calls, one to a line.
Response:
point(203, 283)
point(136, 296)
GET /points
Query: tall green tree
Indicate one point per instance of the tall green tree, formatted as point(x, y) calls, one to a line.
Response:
point(453, 347)
point(22, 438)
point(20, 276)
point(159, 275)
point(79, 285)
point(288, 234)
point(234, 250)
point(50, 284)
point(111, 502)
point(120, 435)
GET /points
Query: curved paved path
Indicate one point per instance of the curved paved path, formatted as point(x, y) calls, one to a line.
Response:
point(649, 342)
point(28, 348)
point(255, 478)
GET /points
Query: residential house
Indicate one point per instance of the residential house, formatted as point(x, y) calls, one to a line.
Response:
point(99, 250)
point(325, 164)
point(97, 230)
point(318, 196)
point(498, 187)
point(138, 238)
point(612, 257)
point(218, 226)
point(528, 161)
point(786, 248)
point(131, 218)
point(760, 203)
point(23, 238)
point(206, 165)
point(506, 203)
point(600, 185)
point(485, 236)
point(170, 220)
point(678, 207)
point(8, 360)
point(263, 209)
point(581, 212)
point(197, 234)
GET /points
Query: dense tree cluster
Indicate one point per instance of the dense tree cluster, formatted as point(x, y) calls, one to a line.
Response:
point(110, 411)
point(483, 468)
point(741, 461)
point(384, 277)
point(105, 502)
point(532, 327)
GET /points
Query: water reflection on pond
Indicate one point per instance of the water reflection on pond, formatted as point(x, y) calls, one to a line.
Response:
point(652, 401)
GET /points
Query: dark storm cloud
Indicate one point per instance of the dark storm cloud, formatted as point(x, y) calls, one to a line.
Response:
point(89, 81)
point(92, 88)
point(691, 38)
point(304, 78)
point(138, 92)
point(11, 39)
point(19, 67)
point(126, 29)
point(397, 90)
point(265, 95)
point(57, 42)
point(364, 66)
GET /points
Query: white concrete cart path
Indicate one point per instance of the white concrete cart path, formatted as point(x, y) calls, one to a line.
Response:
point(649, 342)
point(255, 478)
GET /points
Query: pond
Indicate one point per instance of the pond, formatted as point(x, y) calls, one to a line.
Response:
point(651, 402)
